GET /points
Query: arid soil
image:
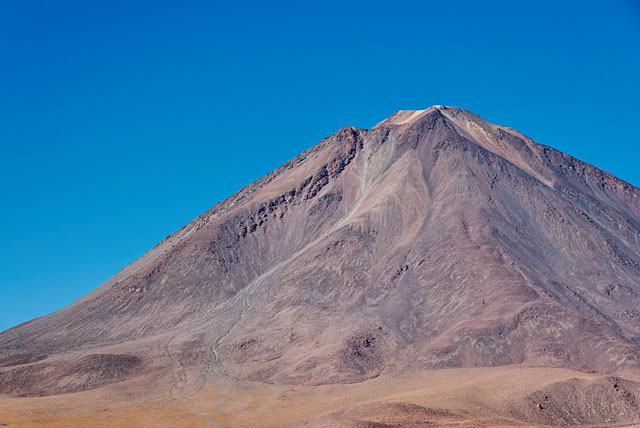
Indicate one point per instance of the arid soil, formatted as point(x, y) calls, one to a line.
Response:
point(435, 270)
point(478, 397)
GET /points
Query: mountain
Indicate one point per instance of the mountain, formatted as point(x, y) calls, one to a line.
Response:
point(434, 240)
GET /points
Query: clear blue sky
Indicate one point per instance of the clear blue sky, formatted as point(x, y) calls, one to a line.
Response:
point(120, 121)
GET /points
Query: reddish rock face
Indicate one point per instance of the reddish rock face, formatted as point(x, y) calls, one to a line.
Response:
point(433, 240)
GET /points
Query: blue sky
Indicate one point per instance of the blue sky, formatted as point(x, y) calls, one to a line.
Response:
point(121, 121)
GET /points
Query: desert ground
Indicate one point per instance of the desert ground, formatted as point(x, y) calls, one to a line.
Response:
point(468, 397)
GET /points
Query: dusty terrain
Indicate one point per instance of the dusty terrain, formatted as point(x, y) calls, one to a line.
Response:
point(436, 269)
point(478, 397)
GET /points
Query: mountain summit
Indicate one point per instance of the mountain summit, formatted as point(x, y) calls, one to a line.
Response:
point(433, 240)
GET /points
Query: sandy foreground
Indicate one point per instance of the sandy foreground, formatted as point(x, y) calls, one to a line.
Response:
point(449, 397)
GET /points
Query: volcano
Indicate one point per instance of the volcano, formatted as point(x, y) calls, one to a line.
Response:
point(435, 269)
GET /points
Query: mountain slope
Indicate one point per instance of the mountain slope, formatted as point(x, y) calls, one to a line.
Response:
point(433, 240)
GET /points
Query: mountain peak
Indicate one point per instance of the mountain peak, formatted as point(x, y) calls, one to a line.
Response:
point(404, 117)
point(436, 239)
